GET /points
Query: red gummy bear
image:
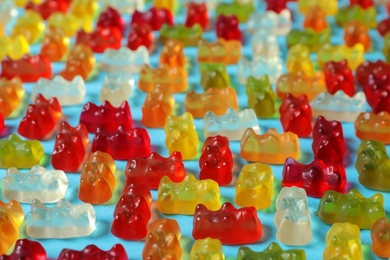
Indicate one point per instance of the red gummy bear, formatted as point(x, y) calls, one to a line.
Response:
point(1, 122)
point(28, 68)
point(41, 118)
point(111, 18)
point(381, 100)
point(295, 115)
point(276, 5)
point(131, 216)
point(328, 141)
point(70, 147)
point(122, 144)
point(155, 18)
point(227, 28)
point(230, 225)
point(92, 252)
point(216, 161)
point(315, 178)
point(384, 27)
point(197, 14)
point(26, 249)
point(149, 170)
point(48, 7)
point(140, 35)
point(137, 190)
point(338, 76)
point(106, 117)
point(368, 70)
point(101, 39)
point(363, 3)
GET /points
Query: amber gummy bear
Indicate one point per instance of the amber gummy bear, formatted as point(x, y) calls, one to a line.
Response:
point(357, 32)
point(55, 44)
point(11, 93)
point(173, 54)
point(315, 19)
point(80, 62)
point(380, 236)
point(11, 218)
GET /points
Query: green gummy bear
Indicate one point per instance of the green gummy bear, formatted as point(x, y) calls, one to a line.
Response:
point(214, 75)
point(272, 252)
point(242, 11)
point(261, 97)
point(189, 36)
point(308, 37)
point(357, 13)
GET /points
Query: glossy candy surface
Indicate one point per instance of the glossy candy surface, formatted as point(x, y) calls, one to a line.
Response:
point(271, 252)
point(207, 248)
point(91, 252)
point(11, 218)
point(159, 103)
point(227, 28)
point(380, 238)
point(370, 126)
point(11, 93)
point(338, 76)
point(100, 39)
point(26, 249)
point(153, 17)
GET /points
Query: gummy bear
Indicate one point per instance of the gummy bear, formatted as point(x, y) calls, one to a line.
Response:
point(68, 23)
point(330, 7)
point(227, 28)
point(356, 32)
point(239, 8)
point(366, 16)
point(26, 249)
point(137, 190)
point(124, 59)
point(207, 248)
point(221, 51)
point(101, 39)
point(85, 11)
point(11, 93)
point(384, 27)
point(370, 126)
point(299, 61)
point(140, 35)
point(172, 54)
point(273, 251)
point(261, 97)
point(30, 25)
point(153, 17)
point(48, 7)
point(117, 87)
point(110, 17)
point(55, 44)
point(276, 5)
point(315, 19)
point(11, 218)
point(338, 76)
point(91, 252)
point(380, 238)
point(197, 14)
point(214, 75)
point(363, 3)
point(165, 4)
point(309, 37)
point(15, 48)
point(188, 36)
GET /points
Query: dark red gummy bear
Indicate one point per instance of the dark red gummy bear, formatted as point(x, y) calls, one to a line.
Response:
point(111, 18)
point(106, 117)
point(26, 250)
point(197, 14)
point(338, 76)
point(122, 144)
point(131, 216)
point(315, 178)
point(367, 71)
point(140, 35)
point(296, 115)
point(328, 141)
point(381, 100)
point(363, 3)
point(216, 161)
point(1, 122)
point(48, 7)
point(28, 68)
point(41, 118)
point(276, 5)
point(137, 190)
point(92, 252)
point(149, 170)
point(230, 225)
point(153, 17)
point(101, 39)
point(69, 147)
point(227, 28)
point(384, 27)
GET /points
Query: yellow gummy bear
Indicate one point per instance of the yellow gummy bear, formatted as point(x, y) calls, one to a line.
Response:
point(164, 4)
point(23, 3)
point(298, 59)
point(11, 218)
point(354, 55)
point(67, 22)
point(207, 248)
point(85, 11)
point(15, 48)
point(330, 7)
point(30, 25)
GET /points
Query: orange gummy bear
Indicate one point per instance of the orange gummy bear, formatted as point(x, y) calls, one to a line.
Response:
point(380, 236)
point(11, 218)
point(356, 32)
point(172, 54)
point(55, 44)
point(315, 19)
point(11, 93)
point(80, 62)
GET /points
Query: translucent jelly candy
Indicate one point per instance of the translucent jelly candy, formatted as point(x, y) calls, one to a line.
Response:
point(214, 75)
point(110, 17)
point(11, 218)
point(14, 152)
point(137, 190)
point(230, 225)
point(188, 36)
point(184, 196)
point(158, 105)
point(67, 92)
point(339, 106)
point(172, 54)
point(380, 238)
point(64, 220)
point(181, 135)
point(69, 147)
point(241, 9)
point(372, 165)
point(338, 76)
point(150, 170)
point(165, 4)
point(299, 61)
point(123, 59)
point(295, 115)
point(356, 32)
point(67, 23)
point(260, 66)
point(97, 180)
point(354, 55)
point(26, 249)
point(153, 17)
point(140, 35)
point(254, 186)
point(343, 242)
point(293, 216)
point(384, 27)
point(221, 51)
point(41, 118)
point(351, 207)
point(312, 39)
point(367, 16)
point(84, 10)
point(232, 124)
point(80, 62)
point(7, 11)
point(261, 97)
point(131, 216)
point(328, 141)
point(207, 248)
point(28, 68)
point(315, 178)
point(330, 7)
point(265, 44)
point(15, 48)
point(197, 14)
point(276, 6)
point(271, 147)
point(300, 84)
point(386, 47)
point(55, 44)
point(199, 104)
point(94, 117)
point(38, 183)
point(172, 79)
point(48, 7)
point(122, 144)
point(100, 39)
point(93, 252)
point(363, 3)
point(272, 251)
point(227, 28)
point(315, 19)
point(270, 22)
point(370, 126)
point(30, 25)
point(117, 87)
point(11, 93)
point(125, 6)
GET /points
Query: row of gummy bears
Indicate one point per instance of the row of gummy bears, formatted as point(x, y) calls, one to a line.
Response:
point(325, 89)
